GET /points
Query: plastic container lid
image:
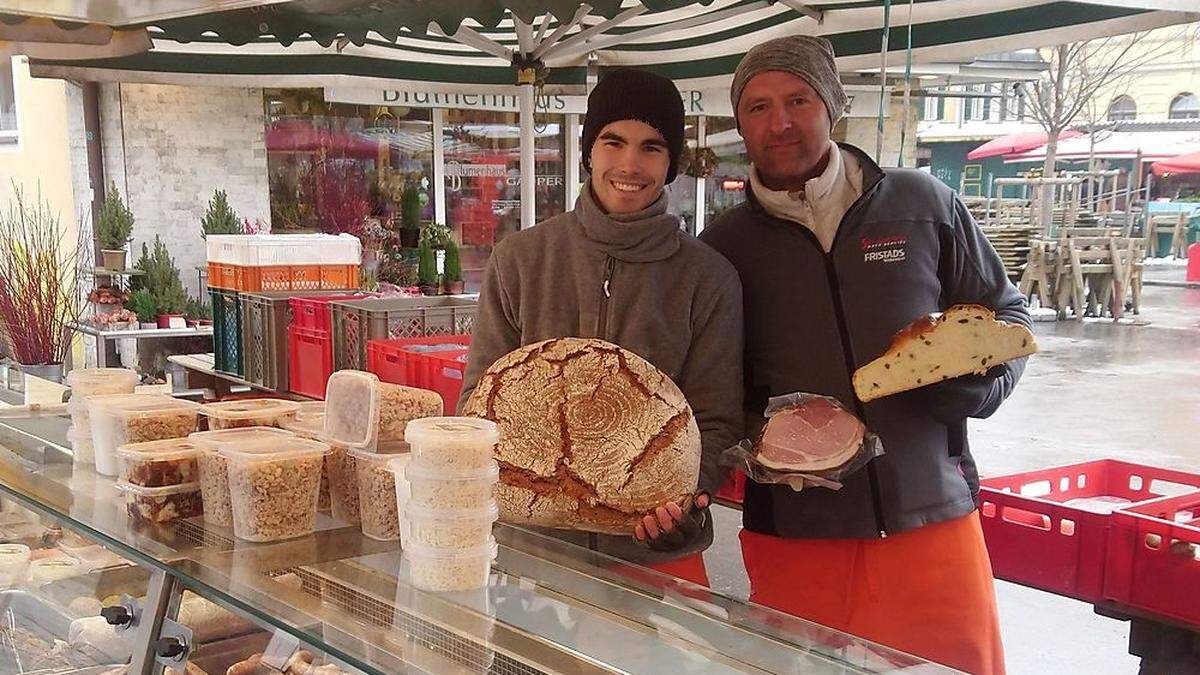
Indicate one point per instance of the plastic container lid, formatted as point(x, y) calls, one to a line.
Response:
point(171, 449)
point(308, 408)
point(352, 408)
point(245, 436)
point(311, 427)
point(385, 453)
point(86, 378)
point(250, 408)
point(418, 472)
point(139, 405)
point(470, 429)
point(282, 449)
point(141, 491)
point(490, 512)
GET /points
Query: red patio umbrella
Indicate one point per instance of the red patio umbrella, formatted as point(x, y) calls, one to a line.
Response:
point(1012, 143)
point(1189, 163)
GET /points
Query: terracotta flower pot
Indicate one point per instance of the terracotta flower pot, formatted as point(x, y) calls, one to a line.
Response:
point(113, 259)
point(164, 320)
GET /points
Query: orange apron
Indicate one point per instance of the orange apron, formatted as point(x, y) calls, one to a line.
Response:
point(928, 591)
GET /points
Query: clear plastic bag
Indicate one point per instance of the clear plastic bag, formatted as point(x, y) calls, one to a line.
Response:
point(745, 455)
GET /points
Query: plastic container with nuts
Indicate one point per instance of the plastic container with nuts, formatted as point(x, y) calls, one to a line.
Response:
point(361, 411)
point(214, 472)
point(458, 529)
point(95, 381)
point(251, 412)
point(312, 427)
point(434, 569)
point(273, 488)
point(135, 418)
point(159, 463)
point(343, 484)
point(452, 443)
point(310, 409)
point(439, 489)
point(162, 504)
point(377, 492)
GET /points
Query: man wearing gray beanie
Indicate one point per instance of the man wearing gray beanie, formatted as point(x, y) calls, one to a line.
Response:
point(836, 255)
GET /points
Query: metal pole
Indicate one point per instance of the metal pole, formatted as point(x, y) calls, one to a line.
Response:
point(883, 54)
point(439, 166)
point(701, 182)
point(161, 602)
point(573, 160)
point(528, 177)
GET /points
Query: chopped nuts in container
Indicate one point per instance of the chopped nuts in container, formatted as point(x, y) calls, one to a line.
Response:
point(377, 493)
point(251, 412)
point(95, 381)
point(440, 489)
point(273, 488)
point(312, 427)
point(434, 569)
point(449, 529)
point(159, 463)
point(361, 411)
point(214, 473)
point(343, 484)
point(452, 443)
point(162, 504)
point(135, 418)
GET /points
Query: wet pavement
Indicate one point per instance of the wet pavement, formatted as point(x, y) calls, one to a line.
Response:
point(1096, 390)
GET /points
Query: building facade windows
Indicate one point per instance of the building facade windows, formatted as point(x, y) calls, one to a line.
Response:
point(1122, 108)
point(1185, 106)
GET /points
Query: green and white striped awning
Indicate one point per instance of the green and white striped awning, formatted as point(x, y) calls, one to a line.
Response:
point(472, 45)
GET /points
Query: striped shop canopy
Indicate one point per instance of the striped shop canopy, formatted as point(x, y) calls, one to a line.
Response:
point(492, 46)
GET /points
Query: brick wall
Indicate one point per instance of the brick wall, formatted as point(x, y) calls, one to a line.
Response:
point(168, 147)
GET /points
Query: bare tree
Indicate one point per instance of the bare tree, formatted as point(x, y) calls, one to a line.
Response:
point(1078, 72)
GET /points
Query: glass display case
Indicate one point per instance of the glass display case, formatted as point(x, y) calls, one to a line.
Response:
point(97, 590)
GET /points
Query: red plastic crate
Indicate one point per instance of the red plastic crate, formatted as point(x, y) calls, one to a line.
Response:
point(1036, 539)
point(734, 489)
point(310, 361)
point(444, 373)
point(312, 313)
point(394, 360)
point(1154, 558)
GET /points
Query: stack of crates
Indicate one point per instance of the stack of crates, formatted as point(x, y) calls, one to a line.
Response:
point(266, 319)
point(356, 323)
point(252, 263)
point(309, 342)
point(436, 363)
point(227, 330)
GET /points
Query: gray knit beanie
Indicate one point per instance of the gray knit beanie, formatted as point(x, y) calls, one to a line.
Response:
point(807, 57)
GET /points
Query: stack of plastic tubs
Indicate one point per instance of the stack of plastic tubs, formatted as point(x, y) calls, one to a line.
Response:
point(214, 469)
point(160, 480)
point(365, 421)
point(444, 490)
point(85, 382)
point(135, 418)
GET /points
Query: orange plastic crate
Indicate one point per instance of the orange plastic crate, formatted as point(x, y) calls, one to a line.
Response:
point(337, 277)
point(305, 277)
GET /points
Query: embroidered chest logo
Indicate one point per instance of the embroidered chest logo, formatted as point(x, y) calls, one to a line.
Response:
point(884, 249)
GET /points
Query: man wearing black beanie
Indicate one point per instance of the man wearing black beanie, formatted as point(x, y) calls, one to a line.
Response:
point(618, 267)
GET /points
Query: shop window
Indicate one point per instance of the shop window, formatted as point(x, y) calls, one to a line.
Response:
point(483, 179)
point(1122, 108)
point(8, 102)
point(727, 186)
point(681, 194)
point(931, 108)
point(1185, 106)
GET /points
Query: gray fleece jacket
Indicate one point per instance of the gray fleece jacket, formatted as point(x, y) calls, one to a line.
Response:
point(637, 281)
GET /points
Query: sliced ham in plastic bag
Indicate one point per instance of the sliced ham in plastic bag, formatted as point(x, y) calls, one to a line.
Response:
point(809, 441)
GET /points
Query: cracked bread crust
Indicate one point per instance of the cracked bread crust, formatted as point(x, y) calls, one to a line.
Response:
point(592, 436)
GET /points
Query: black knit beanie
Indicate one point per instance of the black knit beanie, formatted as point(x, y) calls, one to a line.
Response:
point(631, 94)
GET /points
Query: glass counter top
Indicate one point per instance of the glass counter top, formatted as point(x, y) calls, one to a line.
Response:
point(549, 607)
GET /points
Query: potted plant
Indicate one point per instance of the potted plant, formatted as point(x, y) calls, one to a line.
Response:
point(219, 218)
point(113, 229)
point(452, 281)
point(427, 276)
point(160, 276)
point(142, 304)
point(197, 312)
point(40, 293)
point(410, 215)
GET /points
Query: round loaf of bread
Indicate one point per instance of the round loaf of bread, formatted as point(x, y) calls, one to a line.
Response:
point(592, 437)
